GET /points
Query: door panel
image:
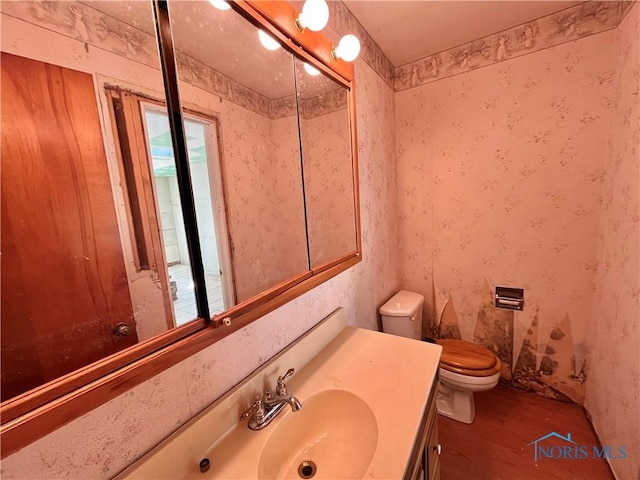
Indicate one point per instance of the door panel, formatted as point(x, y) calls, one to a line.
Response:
point(58, 222)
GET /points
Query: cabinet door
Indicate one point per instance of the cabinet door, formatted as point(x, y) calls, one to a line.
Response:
point(422, 461)
point(432, 449)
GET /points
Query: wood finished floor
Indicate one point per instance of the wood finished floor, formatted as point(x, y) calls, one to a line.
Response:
point(495, 446)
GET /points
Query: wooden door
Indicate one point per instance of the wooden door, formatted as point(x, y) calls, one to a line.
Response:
point(64, 284)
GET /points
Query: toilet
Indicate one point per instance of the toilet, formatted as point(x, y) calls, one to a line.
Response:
point(465, 367)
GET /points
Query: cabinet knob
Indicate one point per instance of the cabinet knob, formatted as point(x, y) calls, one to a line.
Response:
point(438, 448)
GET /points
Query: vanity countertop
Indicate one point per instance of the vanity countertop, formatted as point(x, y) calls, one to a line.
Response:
point(393, 375)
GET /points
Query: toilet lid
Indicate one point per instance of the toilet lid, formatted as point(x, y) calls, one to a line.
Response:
point(466, 355)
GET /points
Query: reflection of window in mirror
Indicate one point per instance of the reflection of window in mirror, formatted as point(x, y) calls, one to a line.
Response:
point(204, 165)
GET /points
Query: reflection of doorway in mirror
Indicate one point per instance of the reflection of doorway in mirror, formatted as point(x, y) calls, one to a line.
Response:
point(65, 298)
point(207, 191)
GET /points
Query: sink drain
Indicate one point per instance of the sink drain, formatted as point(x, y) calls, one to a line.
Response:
point(307, 469)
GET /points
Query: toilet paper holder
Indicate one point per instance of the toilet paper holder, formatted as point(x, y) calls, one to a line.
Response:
point(511, 298)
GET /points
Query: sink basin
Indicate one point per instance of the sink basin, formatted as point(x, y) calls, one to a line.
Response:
point(349, 426)
point(336, 430)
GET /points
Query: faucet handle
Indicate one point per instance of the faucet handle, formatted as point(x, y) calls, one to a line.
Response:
point(281, 388)
point(257, 409)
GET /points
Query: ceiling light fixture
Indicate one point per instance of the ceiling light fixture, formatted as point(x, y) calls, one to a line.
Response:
point(348, 48)
point(267, 41)
point(314, 16)
point(313, 71)
point(220, 4)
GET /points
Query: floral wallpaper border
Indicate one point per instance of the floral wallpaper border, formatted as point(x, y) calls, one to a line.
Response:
point(203, 76)
point(87, 24)
point(579, 21)
point(343, 22)
point(282, 107)
point(323, 104)
point(316, 106)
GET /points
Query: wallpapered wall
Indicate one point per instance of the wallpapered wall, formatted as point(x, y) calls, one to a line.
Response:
point(500, 176)
point(103, 442)
point(106, 440)
point(328, 185)
point(261, 159)
point(613, 390)
point(580, 331)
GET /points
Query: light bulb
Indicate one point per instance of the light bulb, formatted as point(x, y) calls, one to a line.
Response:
point(314, 15)
point(313, 71)
point(267, 41)
point(220, 4)
point(348, 48)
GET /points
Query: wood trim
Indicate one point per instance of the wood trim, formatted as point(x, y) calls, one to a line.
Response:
point(38, 420)
point(32, 415)
point(317, 48)
point(141, 177)
point(139, 166)
point(227, 214)
point(354, 160)
point(332, 263)
point(132, 204)
point(48, 392)
point(151, 221)
point(260, 299)
point(144, 181)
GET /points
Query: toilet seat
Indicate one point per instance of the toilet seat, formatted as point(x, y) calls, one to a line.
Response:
point(466, 358)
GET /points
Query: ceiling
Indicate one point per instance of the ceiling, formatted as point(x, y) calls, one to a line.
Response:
point(409, 30)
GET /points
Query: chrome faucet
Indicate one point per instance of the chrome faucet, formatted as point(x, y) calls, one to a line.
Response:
point(264, 410)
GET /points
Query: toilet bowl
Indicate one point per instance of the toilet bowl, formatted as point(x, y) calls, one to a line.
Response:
point(465, 367)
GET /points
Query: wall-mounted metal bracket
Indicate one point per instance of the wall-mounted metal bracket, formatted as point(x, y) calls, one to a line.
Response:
point(511, 298)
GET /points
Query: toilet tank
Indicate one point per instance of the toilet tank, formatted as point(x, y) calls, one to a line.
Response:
point(402, 315)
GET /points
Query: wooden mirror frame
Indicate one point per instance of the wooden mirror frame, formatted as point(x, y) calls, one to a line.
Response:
point(36, 413)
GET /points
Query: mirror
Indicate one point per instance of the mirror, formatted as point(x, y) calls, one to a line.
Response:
point(325, 137)
point(73, 288)
point(94, 265)
point(244, 157)
point(227, 74)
